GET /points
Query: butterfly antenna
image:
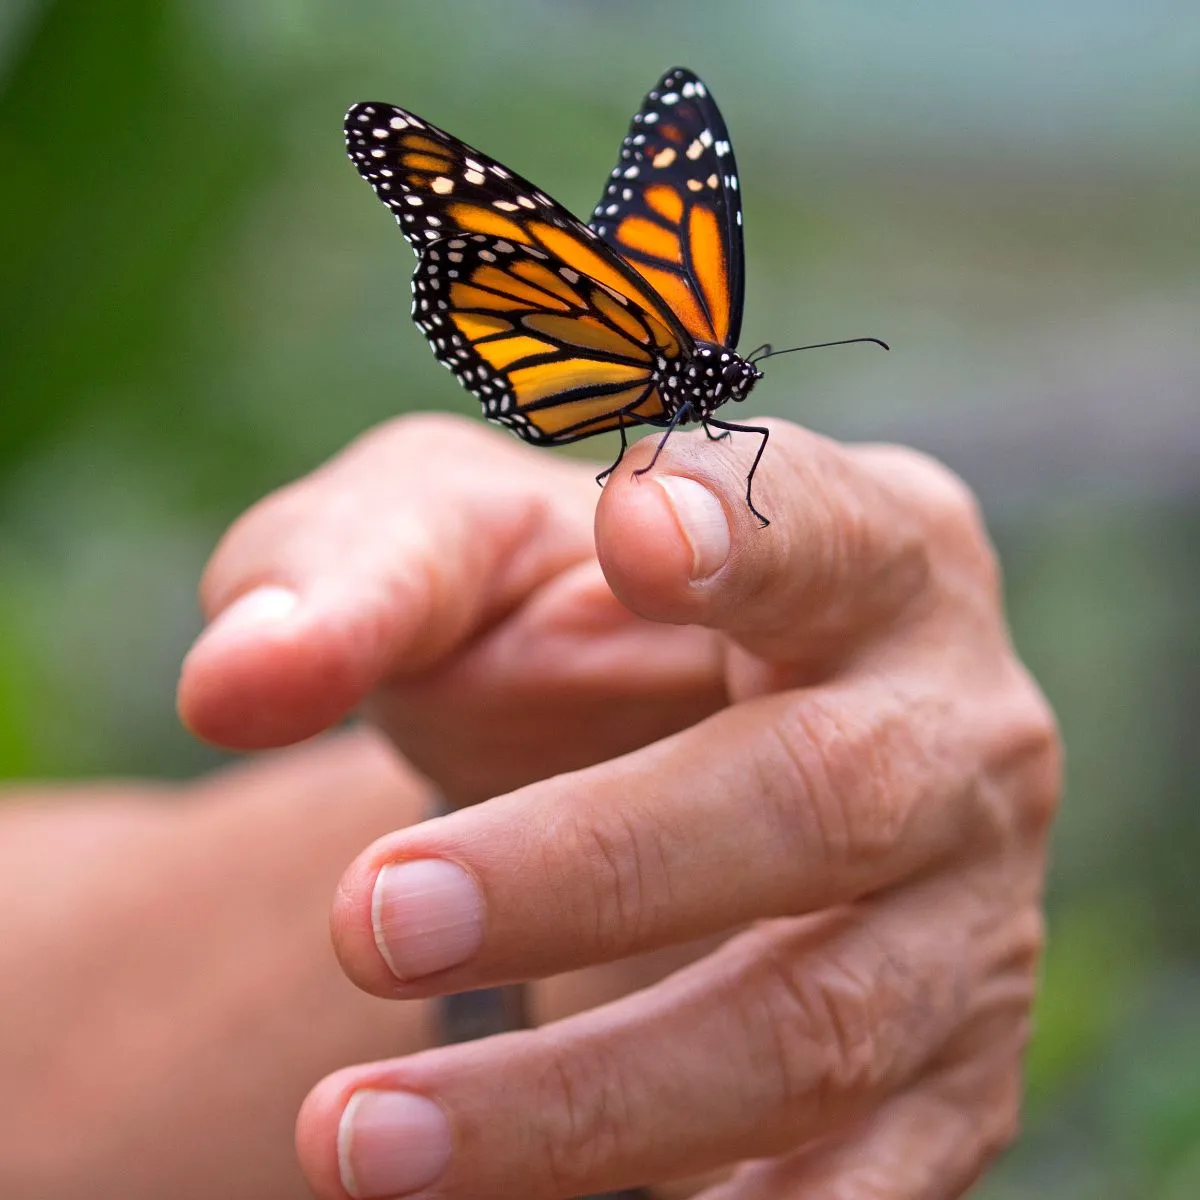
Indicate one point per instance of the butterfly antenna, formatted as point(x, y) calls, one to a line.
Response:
point(765, 351)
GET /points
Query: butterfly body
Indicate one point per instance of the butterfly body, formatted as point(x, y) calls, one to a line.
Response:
point(565, 330)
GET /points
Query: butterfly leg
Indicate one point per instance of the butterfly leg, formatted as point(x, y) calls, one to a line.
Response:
point(680, 416)
point(729, 427)
point(621, 454)
point(720, 437)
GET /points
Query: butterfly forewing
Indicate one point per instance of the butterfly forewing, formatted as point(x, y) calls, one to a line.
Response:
point(672, 207)
point(550, 352)
point(438, 187)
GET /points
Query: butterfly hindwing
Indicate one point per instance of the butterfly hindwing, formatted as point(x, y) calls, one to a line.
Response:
point(550, 352)
point(672, 207)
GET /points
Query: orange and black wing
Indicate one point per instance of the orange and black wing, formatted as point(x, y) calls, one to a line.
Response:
point(672, 208)
point(550, 352)
point(438, 187)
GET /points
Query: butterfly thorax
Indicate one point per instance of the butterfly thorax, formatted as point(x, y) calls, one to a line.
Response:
point(704, 381)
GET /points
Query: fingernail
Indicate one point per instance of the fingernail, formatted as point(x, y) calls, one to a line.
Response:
point(701, 516)
point(391, 1144)
point(262, 607)
point(427, 915)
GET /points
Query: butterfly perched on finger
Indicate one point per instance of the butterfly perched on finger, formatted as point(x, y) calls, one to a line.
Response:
point(563, 329)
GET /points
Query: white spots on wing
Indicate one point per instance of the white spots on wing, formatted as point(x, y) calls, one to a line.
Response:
point(454, 255)
point(487, 256)
point(525, 202)
point(665, 157)
point(500, 173)
point(722, 149)
point(695, 149)
point(475, 177)
point(611, 210)
point(706, 137)
point(379, 133)
point(627, 193)
point(377, 153)
point(694, 185)
point(670, 98)
point(651, 117)
point(688, 89)
point(701, 90)
point(504, 205)
point(386, 172)
point(631, 172)
point(712, 180)
point(504, 247)
point(569, 275)
point(398, 123)
point(443, 185)
point(472, 165)
point(415, 201)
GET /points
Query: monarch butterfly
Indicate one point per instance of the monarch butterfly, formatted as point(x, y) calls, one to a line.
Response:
point(564, 330)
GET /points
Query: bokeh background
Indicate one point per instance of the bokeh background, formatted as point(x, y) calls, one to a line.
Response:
point(200, 300)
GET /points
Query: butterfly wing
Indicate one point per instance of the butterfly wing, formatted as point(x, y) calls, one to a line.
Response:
point(672, 207)
point(438, 187)
point(550, 352)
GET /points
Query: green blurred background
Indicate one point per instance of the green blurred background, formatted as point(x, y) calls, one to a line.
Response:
point(199, 300)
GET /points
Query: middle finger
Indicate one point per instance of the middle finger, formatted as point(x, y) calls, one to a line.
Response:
point(774, 807)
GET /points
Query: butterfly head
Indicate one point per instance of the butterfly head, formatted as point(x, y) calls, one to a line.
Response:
point(739, 378)
point(716, 376)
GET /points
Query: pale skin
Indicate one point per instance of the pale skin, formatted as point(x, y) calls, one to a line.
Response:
point(801, 767)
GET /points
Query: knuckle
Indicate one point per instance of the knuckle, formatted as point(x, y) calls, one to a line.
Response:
point(844, 775)
point(1031, 759)
point(821, 1018)
point(1029, 929)
point(627, 878)
point(1042, 743)
point(583, 1120)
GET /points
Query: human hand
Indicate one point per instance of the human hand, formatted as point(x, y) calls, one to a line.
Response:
point(167, 994)
point(859, 792)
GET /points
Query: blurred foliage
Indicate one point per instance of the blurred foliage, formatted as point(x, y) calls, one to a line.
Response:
point(199, 300)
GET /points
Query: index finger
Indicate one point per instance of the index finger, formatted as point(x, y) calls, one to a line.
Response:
point(376, 565)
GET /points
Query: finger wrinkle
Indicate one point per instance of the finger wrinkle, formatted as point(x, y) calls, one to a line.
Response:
point(583, 1108)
